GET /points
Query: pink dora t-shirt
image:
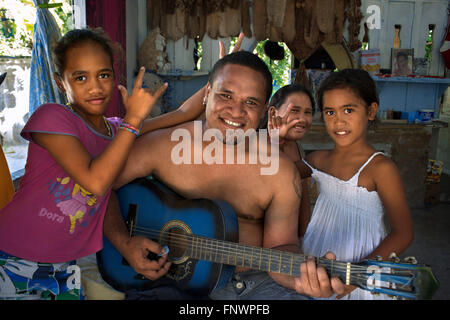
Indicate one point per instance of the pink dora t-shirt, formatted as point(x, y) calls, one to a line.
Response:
point(51, 218)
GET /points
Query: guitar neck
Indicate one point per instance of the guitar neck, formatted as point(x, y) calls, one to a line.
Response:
point(264, 259)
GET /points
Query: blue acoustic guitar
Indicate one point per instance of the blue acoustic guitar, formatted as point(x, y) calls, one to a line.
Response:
point(202, 239)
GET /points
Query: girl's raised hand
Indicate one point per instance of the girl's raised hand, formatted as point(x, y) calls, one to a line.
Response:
point(141, 101)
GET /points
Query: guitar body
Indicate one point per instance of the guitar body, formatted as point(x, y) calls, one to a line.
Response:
point(155, 211)
point(202, 237)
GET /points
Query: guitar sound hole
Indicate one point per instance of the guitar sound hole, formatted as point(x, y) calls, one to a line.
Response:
point(175, 239)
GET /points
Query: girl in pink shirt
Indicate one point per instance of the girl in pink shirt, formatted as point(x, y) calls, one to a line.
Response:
point(74, 156)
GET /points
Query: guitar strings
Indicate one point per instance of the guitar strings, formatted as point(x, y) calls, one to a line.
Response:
point(181, 240)
point(361, 278)
point(355, 277)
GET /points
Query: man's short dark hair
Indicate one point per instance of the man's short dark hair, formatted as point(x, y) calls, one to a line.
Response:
point(247, 59)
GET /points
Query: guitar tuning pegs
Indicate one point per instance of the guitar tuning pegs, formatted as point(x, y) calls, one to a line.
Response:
point(393, 257)
point(411, 260)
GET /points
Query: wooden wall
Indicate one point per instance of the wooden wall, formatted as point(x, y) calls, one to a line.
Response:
point(414, 16)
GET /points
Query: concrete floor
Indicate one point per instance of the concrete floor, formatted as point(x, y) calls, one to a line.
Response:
point(431, 245)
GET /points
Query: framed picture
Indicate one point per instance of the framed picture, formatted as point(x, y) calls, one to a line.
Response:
point(402, 62)
point(421, 66)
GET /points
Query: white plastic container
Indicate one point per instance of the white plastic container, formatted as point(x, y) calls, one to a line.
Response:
point(426, 115)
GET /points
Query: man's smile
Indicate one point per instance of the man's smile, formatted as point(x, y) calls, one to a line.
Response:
point(233, 124)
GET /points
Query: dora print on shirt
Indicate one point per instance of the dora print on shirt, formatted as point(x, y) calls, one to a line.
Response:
point(53, 219)
point(73, 201)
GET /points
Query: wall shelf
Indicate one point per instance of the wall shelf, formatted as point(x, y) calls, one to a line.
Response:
point(410, 93)
point(412, 79)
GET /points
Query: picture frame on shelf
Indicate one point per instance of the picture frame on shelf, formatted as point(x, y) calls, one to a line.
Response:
point(402, 62)
point(421, 66)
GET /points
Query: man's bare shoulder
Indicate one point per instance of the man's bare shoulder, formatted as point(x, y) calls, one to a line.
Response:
point(286, 165)
point(164, 136)
point(287, 175)
point(150, 153)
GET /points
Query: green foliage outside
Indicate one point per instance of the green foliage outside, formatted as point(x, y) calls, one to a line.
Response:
point(280, 69)
point(17, 18)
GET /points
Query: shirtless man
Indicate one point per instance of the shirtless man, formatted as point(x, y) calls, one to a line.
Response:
point(266, 206)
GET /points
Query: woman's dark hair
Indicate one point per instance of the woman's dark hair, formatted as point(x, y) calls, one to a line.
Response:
point(247, 59)
point(281, 95)
point(358, 81)
point(76, 37)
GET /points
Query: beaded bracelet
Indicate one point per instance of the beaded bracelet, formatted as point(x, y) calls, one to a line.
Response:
point(129, 128)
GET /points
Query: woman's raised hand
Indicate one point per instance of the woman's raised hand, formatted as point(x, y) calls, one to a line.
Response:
point(280, 121)
point(237, 47)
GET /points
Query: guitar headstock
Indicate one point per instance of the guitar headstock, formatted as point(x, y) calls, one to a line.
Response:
point(400, 279)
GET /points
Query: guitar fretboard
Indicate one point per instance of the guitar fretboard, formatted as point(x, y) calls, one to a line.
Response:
point(257, 258)
point(284, 262)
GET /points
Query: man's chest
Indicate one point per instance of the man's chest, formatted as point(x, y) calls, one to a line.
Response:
point(239, 186)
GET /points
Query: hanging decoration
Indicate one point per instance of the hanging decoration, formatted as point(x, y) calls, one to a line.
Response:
point(273, 50)
point(302, 24)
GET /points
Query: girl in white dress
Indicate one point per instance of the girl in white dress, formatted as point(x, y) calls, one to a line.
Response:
point(357, 185)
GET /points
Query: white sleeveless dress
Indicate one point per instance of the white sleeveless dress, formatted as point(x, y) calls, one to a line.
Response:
point(347, 220)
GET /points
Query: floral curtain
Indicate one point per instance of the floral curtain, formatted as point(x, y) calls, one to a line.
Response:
point(43, 87)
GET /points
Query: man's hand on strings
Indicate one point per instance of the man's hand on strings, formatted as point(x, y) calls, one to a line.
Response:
point(137, 252)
